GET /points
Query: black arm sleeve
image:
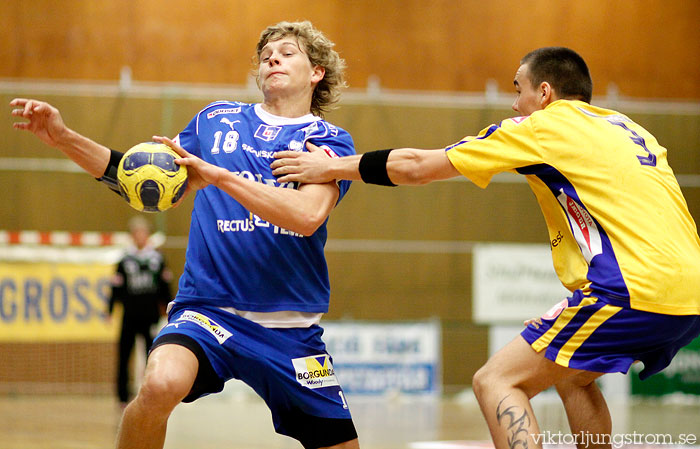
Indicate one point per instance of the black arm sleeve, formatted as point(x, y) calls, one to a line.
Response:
point(109, 178)
point(373, 168)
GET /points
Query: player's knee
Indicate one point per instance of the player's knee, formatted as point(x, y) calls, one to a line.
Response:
point(584, 380)
point(491, 378)
point(481, 381)
point(576, 386)
point(163, 391)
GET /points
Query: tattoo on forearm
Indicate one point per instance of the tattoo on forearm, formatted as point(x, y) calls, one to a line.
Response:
point(516, 425)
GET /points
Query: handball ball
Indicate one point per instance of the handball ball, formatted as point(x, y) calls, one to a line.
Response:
point(149, 179)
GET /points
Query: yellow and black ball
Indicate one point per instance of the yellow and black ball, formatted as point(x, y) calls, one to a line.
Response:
point(149, 179)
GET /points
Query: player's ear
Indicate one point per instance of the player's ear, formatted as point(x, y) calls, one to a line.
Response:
point(317, 74)
point(546, 94)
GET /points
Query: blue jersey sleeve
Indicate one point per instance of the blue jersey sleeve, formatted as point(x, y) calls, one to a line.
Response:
point(188, 137)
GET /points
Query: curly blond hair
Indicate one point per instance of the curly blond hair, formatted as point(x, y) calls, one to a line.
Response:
point(320, 51)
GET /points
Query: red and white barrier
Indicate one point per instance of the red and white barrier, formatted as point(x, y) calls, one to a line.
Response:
point(62, 238)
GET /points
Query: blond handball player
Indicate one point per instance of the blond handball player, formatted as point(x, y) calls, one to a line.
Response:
point(255, 283)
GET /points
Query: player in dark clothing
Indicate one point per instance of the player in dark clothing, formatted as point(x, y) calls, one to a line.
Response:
point(141, 285)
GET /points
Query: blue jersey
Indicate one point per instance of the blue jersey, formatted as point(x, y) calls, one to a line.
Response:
point(234, 258)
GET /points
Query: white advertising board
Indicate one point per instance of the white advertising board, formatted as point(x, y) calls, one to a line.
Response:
point(379, 358)
point(513, 282)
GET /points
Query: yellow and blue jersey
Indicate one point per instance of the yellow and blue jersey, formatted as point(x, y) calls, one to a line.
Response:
point(609, 198)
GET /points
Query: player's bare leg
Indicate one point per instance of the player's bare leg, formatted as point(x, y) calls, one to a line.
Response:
point(170, 373)
point(504, 386)
point(586, 410)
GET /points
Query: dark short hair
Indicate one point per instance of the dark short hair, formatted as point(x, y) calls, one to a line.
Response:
point(564, 69)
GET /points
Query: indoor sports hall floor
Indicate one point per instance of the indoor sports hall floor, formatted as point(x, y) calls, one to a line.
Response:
point(239, 419)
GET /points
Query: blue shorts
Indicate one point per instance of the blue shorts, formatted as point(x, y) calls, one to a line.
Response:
point(595, 333)
point(289, 368)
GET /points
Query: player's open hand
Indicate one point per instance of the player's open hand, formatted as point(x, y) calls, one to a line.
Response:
point(307, 168)
point(199, 173)
point(44, 120)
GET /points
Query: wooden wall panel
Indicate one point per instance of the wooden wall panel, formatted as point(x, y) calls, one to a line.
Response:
point(647, 48)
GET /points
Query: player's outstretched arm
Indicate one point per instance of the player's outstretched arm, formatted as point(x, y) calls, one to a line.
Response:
point(406, 166)
point(45, 122)
point(314, 167)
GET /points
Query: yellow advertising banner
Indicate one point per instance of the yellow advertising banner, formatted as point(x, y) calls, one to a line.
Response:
point(57, 302)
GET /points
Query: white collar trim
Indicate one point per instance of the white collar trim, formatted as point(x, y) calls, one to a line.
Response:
point(280, 121)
